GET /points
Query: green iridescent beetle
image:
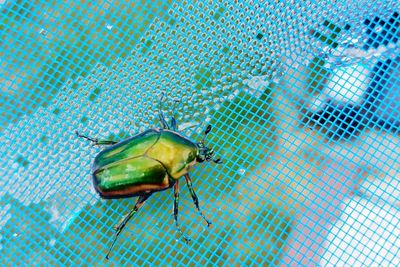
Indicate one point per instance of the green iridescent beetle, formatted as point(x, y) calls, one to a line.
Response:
point(148, 162)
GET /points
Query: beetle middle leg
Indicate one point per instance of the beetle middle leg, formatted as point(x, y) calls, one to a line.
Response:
point(176, 204)
point(95, 141)
point(194, 197)
point(118, 229)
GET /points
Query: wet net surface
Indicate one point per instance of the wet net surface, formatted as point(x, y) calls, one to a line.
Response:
point(303, 98)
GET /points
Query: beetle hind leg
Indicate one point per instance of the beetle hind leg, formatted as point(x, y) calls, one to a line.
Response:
point(95, 141)
point(118, 229)
point(176, 204)
point(195, 199)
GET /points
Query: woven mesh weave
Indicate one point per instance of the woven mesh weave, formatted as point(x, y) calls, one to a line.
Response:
point(303, 97)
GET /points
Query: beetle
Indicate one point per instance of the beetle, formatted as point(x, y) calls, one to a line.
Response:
point(148, 162)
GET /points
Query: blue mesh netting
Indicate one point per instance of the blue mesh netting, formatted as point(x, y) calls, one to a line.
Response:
point(304, 102)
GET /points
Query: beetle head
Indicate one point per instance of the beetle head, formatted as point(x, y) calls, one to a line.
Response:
point(206, 153)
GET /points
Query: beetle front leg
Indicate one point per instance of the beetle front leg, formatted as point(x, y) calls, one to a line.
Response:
point(122, 224)
point(163, 122)
point(173, 120)
point(194, 197)
point(173, 124)
point(176, 205)
point(95, 141)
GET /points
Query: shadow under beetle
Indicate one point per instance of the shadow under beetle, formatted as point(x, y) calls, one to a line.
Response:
point(148, 162)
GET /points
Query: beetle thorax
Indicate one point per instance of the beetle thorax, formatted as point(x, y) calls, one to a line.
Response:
point(175, 152)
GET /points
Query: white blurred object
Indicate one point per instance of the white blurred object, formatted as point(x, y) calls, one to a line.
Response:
point(348, 84)
point(366, 234)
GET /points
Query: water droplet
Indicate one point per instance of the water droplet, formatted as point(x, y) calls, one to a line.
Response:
point(16, 235)
point(187, 125)
point(43, 31)
point(241, 171)
point(52, 242)
point(109, 26)
point(378, 29)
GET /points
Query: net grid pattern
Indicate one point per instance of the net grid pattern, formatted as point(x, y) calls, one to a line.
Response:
point(302, 97)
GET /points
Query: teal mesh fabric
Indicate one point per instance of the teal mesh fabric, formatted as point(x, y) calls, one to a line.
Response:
point(303, 97)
